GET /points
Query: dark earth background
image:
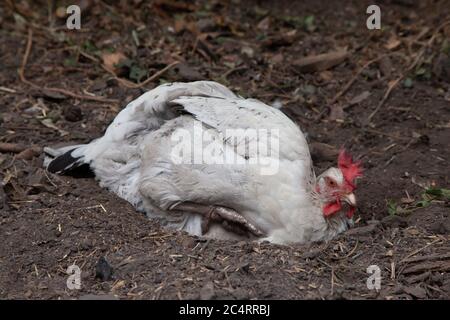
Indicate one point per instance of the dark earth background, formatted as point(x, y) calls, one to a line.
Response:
point(257, 48)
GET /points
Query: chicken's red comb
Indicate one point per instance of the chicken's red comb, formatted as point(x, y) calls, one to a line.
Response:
point(350, 170)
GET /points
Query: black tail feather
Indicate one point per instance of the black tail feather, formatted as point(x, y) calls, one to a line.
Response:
point(66, 163)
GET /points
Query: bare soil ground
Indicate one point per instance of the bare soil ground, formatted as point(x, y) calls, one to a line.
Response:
point(49, 222)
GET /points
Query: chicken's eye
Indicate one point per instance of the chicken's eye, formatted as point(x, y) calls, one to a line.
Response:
point(331, 183)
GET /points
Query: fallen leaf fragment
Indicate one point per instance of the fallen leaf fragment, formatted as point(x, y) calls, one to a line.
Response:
point(320, 62)
point(112, 60)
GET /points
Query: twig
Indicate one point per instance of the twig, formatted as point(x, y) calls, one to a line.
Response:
point(25, 56)
point(132, 85)
point(392, 270)
point(391, 86)
point(11, 147)
point(194, 48)
point(125, 82)
point(384, 134)
point(236, 69)
point(58, 90)
point(49, 180)
point(442, 266)
point(350, 253)
point(419, 250)
point(430, 257)
point(81, 97)
point(4, 89)
point(87, 55)
point(394, 83)
point(332, 281)
point(353, 79)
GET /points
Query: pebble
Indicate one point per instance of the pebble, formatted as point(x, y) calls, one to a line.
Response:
point(103, 270)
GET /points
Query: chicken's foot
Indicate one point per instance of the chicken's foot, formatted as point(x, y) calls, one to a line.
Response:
point(227, 217)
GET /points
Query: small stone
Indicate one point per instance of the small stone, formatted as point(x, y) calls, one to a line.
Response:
point(363, 230)
point(240, 294)
point(49, 95)
point(85, 244)
point(186, 72)
point(393, 221)
point(34, 110)
point(103, 270)
point(441, 227)
point(72, 113)
point(417, 292)
point(248, 51)
point(245, 267)
point(28, 294)
point(420, 278)
point(207, 292)
point(206, 25)
point(441, 67)
point(189, 243)
point(61, 12)
point(3, 200)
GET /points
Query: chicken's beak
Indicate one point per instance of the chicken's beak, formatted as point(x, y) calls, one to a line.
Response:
point(350, 199)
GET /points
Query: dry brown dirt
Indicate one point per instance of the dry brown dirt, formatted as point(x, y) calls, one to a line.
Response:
point(50, 222)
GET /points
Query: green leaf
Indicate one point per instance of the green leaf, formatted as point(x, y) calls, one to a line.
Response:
point(221, 40)
point(137, 73)
point(438, 192)
point(422, 204)
point(308, 89)
point(70, 42)
point(125, 63)
point(420, 71)
point(202, 13)
point(260, 37)
point(408, 83)
point(309, 23)
point(392, 207)
point(294, 21)
point(260, 12)
point(445, 47)
point(135, 37)
point(89, 47)
point(70, 62)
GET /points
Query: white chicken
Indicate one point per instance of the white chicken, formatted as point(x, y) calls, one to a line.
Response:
point(204, 160)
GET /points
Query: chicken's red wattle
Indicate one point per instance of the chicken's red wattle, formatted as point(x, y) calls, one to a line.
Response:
point(331, 208)
point(351, 212)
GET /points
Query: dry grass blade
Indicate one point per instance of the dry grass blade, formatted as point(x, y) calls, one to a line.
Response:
point(357, 74)
point(419, 250)
point(320, 62)
point(11, 147)
point(394, 83)
point(442, 266)
point(132, 85)
point(58, 90)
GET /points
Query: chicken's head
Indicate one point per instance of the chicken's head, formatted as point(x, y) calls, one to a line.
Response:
point(336, 186)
